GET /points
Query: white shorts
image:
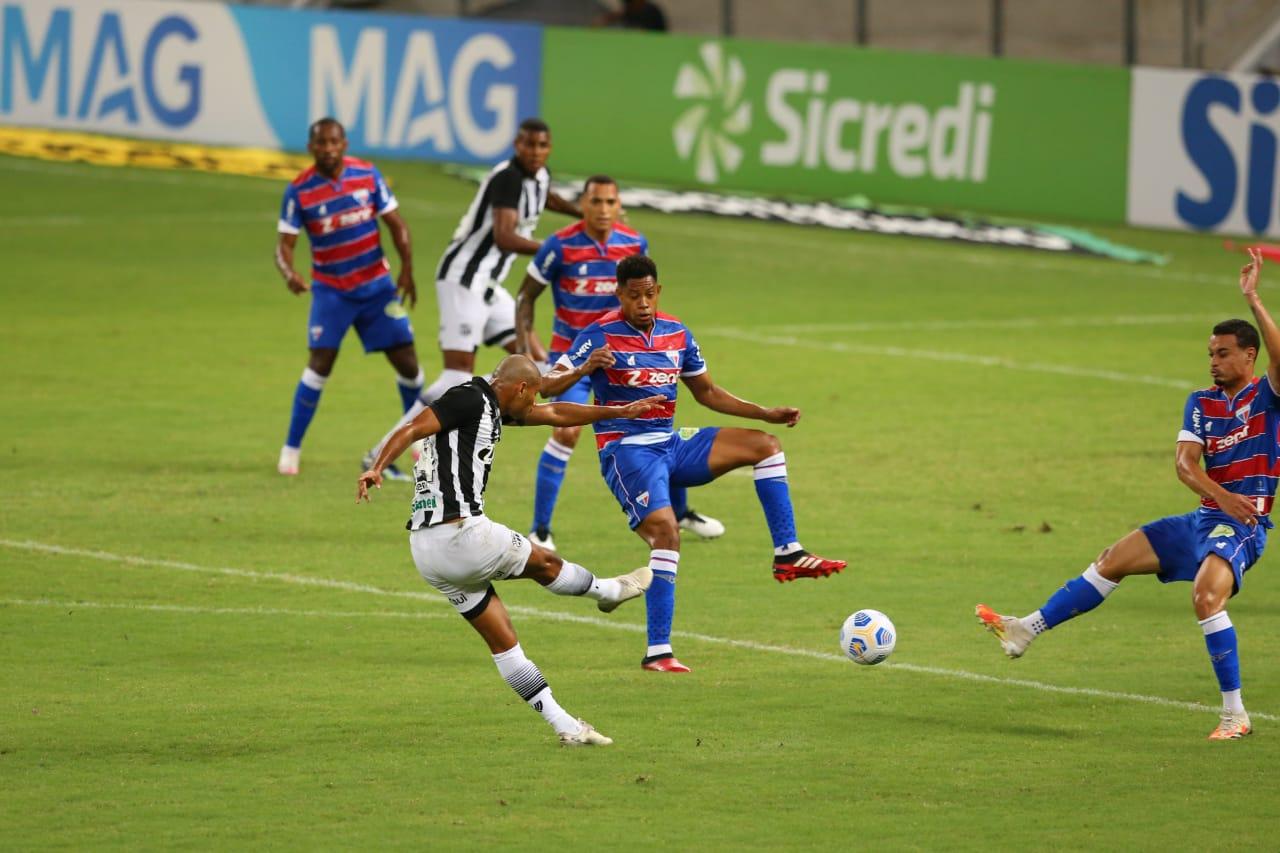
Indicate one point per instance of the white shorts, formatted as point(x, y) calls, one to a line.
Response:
point(469, 319)
point(461, 558)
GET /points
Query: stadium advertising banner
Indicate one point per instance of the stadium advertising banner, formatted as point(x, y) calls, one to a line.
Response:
point(404, 86)
point(1202, 152)
point(944, 131)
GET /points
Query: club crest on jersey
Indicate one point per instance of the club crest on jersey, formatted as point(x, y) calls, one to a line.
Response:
point(631, 361)
point(324, 208)
point(1243, 412)
point(674, 357)
point(1222, 530)
point(361, 195)
point(643, 499)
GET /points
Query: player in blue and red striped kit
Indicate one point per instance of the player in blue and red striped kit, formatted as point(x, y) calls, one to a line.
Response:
point(339, 201)
point(579, 263)
point(1233, 428)
point(637, 352)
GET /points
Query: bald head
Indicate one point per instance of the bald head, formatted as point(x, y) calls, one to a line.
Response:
point(515, 369)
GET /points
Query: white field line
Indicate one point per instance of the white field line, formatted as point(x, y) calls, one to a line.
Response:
point(1007, 323)
point(954, 357)
point(220, 611)
point(558, 616)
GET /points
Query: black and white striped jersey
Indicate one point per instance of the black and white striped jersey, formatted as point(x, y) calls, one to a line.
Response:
point(472, 255)
point(451, 474)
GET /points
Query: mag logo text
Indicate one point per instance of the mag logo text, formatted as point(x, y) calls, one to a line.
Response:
point(1203, 152)
point(805, 120)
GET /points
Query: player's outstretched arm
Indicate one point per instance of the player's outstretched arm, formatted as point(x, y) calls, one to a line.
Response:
point(530, 290)
point(719, 400)
point(1193, 476)
point(563, 377)
point(574, 414)
point(284, 264)
point(404, 248)
point(1249, 275)
point(424, 425)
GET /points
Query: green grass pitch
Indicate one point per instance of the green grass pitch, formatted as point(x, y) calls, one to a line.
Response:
point(267, 668)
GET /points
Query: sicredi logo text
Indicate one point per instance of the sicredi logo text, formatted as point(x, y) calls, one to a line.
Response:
point(808, 121)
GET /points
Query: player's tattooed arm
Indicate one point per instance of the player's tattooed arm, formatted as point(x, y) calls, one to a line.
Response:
point(562, 378)
point(530, 290)
point(1249, 275)
point(562, 205)
point(719, 400)
point(574, 414)
point(284, 264)
point(404, 248)
point(424, 425)
point(1193, 476)
point(505, 236)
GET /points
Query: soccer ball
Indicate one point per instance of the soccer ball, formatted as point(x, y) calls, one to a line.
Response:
point(868, 637)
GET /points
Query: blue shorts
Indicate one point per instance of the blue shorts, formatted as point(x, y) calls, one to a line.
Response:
point(641, 475)
point(1182, 542)
point(374, 309)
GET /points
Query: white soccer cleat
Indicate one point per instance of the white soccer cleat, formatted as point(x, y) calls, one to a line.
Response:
point(633, 585)
point(701, 525)
point(288, 464)
point(1013, 635)
point(1232, 726)
point(586, 736)
point(545, 542)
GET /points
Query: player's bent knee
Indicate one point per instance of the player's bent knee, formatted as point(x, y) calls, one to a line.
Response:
point(663, 533)
point(568, 436)
point(769, 445)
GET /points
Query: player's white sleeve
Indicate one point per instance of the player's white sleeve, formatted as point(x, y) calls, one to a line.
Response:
point(286, 228)
point(393, 204)
point(536, 274)
point(563, 361)
point(1188, 435)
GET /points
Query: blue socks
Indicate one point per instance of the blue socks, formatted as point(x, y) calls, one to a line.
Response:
point(551, 468)
point(409, 389)
point(1078, 595)
point(660, 601)
point(775, 499)
point(1220, 640)
point(305, 400)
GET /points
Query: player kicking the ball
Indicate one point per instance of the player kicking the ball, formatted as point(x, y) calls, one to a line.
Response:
point(460, 552)
point(635, 352)
point(1232, 427)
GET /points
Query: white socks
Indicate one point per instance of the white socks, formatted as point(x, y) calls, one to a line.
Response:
point(416, 382)
point(556, 450)
point(526, 680)
point(313, 380)
point(1102, 585)
point(575, 580)
point(1035, 622)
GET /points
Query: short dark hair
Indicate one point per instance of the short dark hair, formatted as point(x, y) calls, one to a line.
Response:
point(634, 267)
point(1246, 334)
point(534, 125)
point(598, 179)
point(327, 121)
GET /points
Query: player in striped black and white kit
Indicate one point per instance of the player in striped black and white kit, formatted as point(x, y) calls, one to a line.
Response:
point(474, 307)
point(461, 552)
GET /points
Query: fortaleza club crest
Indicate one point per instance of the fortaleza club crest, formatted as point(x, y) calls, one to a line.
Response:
point(717, 113)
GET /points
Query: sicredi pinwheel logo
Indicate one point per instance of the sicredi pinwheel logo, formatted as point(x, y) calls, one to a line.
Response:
point(704, 132)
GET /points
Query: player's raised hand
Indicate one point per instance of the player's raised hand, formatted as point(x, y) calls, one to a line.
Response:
point(1249, 273)
point(367, 479)
point(598, 360)
point(1240, 507)
point(640, 407)
point(297, 284)
point(408, 289)
point(782, 415)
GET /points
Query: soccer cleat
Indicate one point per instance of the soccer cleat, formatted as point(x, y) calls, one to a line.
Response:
point(1014, 636)
point(802, 564)
point(663, 663)
point(633, 586)
point(701, 525)
point(288, 464)
point(542, 538)
point(391, 472)
point(586, 736)
point(1232, 727)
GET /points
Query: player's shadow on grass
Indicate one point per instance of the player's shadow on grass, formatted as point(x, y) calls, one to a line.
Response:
point(945, 720)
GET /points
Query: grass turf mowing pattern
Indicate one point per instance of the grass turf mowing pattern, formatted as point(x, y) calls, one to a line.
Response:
point(151, 354)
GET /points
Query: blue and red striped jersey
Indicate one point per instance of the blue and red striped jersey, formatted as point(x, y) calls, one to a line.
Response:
point(1239, 435)
point(341, 218)
point(582, 275)
point(644, 364)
